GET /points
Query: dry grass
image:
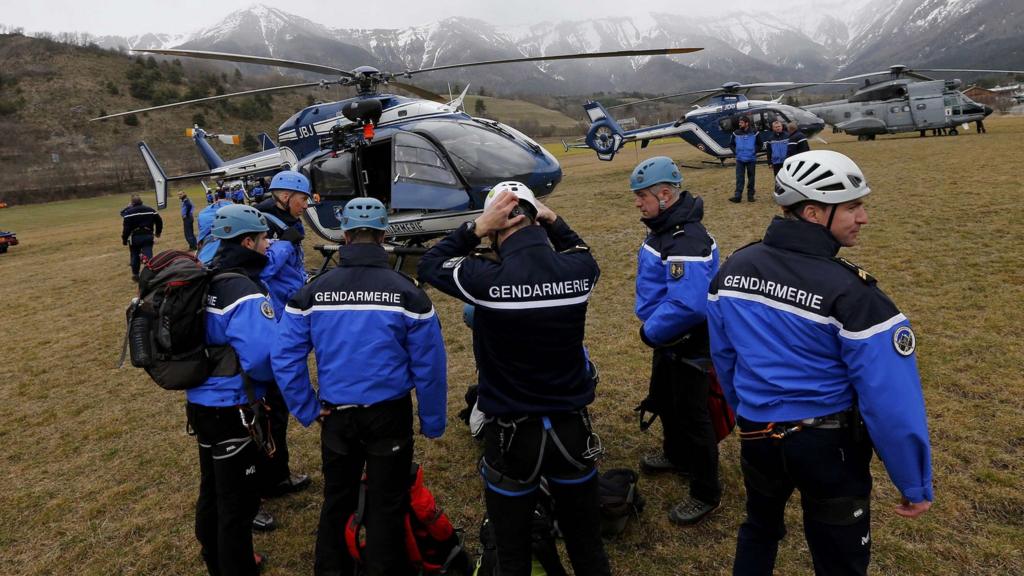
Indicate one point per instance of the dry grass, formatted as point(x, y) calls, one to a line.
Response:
point(100, 477)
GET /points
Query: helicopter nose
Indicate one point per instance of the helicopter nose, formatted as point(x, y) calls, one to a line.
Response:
point(988, 110)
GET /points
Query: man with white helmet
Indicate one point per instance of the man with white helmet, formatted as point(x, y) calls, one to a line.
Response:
point(675, 263)
point(819, 365)
point(376, 337)
point(535, 383)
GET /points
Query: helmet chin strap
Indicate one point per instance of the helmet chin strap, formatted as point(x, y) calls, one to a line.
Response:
point(831, 216)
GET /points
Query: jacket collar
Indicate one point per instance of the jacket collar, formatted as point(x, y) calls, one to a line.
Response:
point(687, 209)
point(364, 254)
point(231, 256)
point(801, 236)
point(523, 239)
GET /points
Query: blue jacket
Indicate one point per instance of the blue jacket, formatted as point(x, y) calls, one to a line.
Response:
point(675, 264)
point(285, 272)
point(186, 209)
point(745, 145)
point(798, 333)
point(238, 314)
point(238, 196)
point(778, 147)
point(376, 337)
point(798, 143)
point(530, 315)
point(208, 244)
point(139, 224)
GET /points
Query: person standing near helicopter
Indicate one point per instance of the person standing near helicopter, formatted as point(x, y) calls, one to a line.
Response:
point(777, 145)
point(745, 142)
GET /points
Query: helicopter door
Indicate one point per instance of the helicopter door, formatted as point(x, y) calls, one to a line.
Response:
point(926, 106)
point(421, 179)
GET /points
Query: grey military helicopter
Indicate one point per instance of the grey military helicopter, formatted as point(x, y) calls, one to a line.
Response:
point(907, 101)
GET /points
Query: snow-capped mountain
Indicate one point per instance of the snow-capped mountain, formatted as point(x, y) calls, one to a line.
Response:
point(798, 40)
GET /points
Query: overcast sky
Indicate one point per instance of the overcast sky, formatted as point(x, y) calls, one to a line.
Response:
point(127, 17)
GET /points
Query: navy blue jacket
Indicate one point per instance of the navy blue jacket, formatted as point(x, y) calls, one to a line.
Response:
point(285, 272)
point(376, 337)
point(797, 333)
point(746, 144)
point(675, 264)
point(238, 314)
point(531, 311)
point(140, 221)
point(798, 143)
point(186, 209)
point(778, 147)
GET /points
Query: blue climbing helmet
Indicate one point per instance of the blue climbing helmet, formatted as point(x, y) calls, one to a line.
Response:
point(290, 180)
point(364, 213)
point(237, 219)
point(654, 171)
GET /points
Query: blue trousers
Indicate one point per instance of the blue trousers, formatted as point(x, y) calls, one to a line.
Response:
point(745, 168)
point(139, 245)
point(832, 473)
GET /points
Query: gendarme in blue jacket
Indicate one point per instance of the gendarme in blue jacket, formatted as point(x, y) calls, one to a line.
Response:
point(798, 333)
point(531, 310)
point(208, 245)
point(376, 337)
point(674, 267)
point(745, 144)
point(285, 271)
point(778, 147)
point(238, 314)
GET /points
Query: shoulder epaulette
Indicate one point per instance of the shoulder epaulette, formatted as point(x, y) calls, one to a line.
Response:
point(414, 281)
point(860, 272)
point(485, 252)
point(679, 230)
point(575, 249)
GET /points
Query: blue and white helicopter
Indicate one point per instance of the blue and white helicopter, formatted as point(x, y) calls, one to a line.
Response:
point(707, 127)
point(429, 162)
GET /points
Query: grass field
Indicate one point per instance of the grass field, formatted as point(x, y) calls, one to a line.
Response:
point(100, 478)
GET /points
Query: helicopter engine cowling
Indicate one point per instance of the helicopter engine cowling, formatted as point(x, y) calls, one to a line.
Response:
point(953, 84)
point(363, 110)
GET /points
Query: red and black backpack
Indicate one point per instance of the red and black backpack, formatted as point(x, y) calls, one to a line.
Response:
point(432, 544)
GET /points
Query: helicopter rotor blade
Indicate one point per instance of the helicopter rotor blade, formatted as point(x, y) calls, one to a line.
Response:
point(242, 58)
point(422, 93)
point(661, 51)
point(661, 98)
point(970, 70)
point(800, 85)
point(219, 97)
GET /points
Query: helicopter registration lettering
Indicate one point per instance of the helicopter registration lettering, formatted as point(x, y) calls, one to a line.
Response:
point(306, 131)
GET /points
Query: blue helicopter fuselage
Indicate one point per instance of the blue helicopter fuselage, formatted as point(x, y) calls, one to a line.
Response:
point(707, 128)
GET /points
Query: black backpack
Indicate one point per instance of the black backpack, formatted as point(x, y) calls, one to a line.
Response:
point(167, 323)
point(620, 498)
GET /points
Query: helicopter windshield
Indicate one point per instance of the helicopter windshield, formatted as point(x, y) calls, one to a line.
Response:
point(483, 156)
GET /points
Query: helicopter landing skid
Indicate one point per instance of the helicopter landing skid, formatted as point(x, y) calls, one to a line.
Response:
point(709, 164)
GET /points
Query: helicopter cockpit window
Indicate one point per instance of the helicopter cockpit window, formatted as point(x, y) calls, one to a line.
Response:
point(413, 160)
point(726, 124)
point(332, 177)
point(482, 155)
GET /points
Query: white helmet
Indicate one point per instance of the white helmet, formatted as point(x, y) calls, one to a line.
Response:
point(520, 190)
point(819, 175)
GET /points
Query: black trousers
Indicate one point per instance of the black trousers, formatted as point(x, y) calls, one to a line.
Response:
point(275, 469)
point(747, 168)
point(378, 437)
point(139, 245)
point(577, 508)
point(689, 440)
point(228, 494)
point(190, 235)
point(831, 471)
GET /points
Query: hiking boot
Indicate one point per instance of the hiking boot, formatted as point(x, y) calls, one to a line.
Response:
point(736, 199)
point(294, 483)
point(657, 463)
point(690, 511)
point(263, 522)
point(751, 199)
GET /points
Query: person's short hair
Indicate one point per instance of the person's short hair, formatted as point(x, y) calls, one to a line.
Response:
point(136, 200)
point(792, 126)
point(365, 235)
point(238, 239)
